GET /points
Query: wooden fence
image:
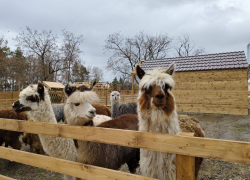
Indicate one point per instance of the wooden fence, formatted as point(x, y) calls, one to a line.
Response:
point(185, 147)
point(186, 101)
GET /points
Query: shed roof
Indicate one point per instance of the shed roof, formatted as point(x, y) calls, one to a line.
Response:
point(53, 85)
point(229, 60)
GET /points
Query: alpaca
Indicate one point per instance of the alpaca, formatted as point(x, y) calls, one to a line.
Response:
point(59, 108)
point(157, 113)
point(35, 99)
point(79, 111)
point(34, 141)
point(11, 138)
point(58, 111)
point(117, 108)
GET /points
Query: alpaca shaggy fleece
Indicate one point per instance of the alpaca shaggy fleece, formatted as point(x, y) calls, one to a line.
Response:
point(36, 99)
point(11, 138)
point(159, 165)
point(58, 111)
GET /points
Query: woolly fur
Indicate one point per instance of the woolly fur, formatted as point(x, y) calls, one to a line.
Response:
point(152, 163)
point(58, 147)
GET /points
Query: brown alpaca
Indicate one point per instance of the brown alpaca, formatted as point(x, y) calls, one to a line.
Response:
point(79, 111)
point(103, 110)
point(157, 113)
point(34, 141)
point(11, 138)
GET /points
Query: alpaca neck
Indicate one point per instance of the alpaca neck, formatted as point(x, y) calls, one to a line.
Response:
point(45, 112)
point(115, 105)
point(155, 120)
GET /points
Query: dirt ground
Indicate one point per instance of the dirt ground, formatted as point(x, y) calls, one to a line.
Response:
point(229, 127)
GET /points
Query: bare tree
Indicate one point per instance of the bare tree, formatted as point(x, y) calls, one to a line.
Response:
point(97, 74)
point(41, 44)
point(185, 47)
point(127, 52)
point(71, 49)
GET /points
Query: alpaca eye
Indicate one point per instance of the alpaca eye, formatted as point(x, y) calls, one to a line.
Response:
point(76, 104)
point(166, 87)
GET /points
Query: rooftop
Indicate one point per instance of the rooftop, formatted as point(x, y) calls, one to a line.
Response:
point(229, 60)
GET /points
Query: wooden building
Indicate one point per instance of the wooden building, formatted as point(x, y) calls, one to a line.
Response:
point(55, 91)
point(212, 83)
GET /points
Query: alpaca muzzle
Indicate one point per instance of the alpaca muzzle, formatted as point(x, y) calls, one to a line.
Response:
point(16, 106)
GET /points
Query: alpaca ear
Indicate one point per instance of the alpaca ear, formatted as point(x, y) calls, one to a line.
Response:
point(67, 90)
point(139, 71)
point(40, 90)
point(171, 69)
point(91, 87)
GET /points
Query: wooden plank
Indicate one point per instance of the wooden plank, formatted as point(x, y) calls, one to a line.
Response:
point(234, 151)
point(5, 178)
point(210, 108)
point(62, 166)
point(185, 165)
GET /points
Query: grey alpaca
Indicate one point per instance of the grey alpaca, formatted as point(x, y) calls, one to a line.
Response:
point(58, 111)
point(118, 108)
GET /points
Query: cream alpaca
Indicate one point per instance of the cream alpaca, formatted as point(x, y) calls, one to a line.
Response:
point(35, 98)
point(157, 113)
point(79, 111)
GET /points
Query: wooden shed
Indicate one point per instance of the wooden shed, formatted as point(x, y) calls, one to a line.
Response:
point(55, 91)
point(212, 83)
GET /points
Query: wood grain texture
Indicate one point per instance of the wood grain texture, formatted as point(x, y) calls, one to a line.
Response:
point(66, 167)
point(185, 165)
point(234, 151)
point(5, 178)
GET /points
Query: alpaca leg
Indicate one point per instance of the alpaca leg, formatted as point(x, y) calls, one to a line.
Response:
point(6, 144)
point(198, 162)
point(1, 142)
point(133, 163)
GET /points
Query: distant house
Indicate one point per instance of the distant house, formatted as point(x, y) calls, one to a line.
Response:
point(212, 83)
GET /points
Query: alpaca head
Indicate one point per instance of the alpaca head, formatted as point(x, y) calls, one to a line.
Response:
point(30, 98)
point(78, 109)
point(155, 89)
point(115, 96)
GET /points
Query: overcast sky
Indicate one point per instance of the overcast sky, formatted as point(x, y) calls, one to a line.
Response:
point(216, 25)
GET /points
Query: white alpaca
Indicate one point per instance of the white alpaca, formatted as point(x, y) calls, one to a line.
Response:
point(35, 98)
point(118, 108)
point(79, 111)
point(157, 113)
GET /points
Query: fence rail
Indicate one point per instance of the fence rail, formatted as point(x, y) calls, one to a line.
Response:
point(234, 151)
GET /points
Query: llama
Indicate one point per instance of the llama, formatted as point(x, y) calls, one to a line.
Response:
point(79, 111)
point(157, 113)
point(11, 138)
point(35, 99)
point(117, 108)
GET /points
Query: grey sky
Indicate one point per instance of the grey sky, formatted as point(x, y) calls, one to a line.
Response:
point(216, 25)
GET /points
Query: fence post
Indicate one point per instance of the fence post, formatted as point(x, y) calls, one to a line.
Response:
point(185, 165)
point(106, 97)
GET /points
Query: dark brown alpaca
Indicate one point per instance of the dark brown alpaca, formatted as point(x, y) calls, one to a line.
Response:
point(11, 138)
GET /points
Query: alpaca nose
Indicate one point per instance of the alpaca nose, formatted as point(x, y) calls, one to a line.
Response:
point(16, 104)
point(159, 96)
point(92, 111)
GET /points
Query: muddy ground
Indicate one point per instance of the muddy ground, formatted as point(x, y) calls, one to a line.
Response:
point(229, 127)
